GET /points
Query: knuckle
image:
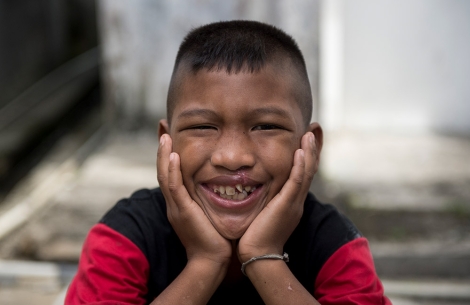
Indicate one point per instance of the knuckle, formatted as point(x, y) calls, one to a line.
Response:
point(173, 188)
point(161, 178)
point(172, 169)
point(297, 180)
point(309, 174)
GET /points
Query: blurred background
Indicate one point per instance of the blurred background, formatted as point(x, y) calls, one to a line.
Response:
point(83, 84)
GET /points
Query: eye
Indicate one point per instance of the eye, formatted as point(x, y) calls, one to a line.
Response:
point(200, 130)
point(202, 127)
point(266, 127)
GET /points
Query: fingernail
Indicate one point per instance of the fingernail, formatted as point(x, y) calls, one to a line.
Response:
point(162, 140)
point(172, 156)
point(302, 153)
point(311, 138)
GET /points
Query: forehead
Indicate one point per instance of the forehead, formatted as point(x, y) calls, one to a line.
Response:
point(271, 87)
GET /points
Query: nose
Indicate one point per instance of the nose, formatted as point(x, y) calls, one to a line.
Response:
point(233, 152)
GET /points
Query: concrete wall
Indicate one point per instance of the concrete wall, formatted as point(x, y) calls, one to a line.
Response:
point(386, 66)
point(396, 65)
point(140, 39)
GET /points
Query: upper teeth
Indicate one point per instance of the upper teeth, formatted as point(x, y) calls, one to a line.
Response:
point(230, 192)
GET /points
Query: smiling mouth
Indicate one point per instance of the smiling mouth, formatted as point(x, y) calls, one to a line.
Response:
point(238, 192)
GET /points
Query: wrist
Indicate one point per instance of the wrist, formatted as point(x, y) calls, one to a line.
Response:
point(284, 257)
point(245, 255)
point(264, 267)
point(195, 284)
point(208, 266)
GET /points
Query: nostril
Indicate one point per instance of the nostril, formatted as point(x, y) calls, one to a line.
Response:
point(243, 168)
point(232, 161)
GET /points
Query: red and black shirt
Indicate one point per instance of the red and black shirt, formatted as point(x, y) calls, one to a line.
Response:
point(133, 254)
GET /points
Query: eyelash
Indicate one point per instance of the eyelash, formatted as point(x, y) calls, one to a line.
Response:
point(266, 127)
point(258, 127)
point(202, 127)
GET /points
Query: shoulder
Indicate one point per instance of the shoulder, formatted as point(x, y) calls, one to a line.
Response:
point(139, 217)
point(329, 227)
point(322, 225)
point(322, 230)
point(134, 240)
point(141, 202)
point(349, 276)
point(115, 254)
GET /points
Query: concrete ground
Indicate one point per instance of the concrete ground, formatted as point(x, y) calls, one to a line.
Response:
point(26, 282)
point(420, 243)
point(426, 172)
point(408, 194)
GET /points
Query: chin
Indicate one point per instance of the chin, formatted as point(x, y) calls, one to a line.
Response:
point(231, 233)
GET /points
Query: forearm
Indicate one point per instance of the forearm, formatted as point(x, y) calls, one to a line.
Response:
point(194, 285)
point(276, 284)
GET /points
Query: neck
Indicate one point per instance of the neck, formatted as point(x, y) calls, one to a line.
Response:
point(234, 273)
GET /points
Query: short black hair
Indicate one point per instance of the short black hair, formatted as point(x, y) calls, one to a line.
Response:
point(241, 46)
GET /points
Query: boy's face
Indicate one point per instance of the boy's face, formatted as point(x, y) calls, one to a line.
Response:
point(235, 134)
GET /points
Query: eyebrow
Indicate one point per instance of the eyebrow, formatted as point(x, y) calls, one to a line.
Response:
point(197, 112)
point(271, 110)
point(210, 113)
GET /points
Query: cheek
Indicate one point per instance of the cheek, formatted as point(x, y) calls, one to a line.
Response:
point(193, 155)
point(278, 157)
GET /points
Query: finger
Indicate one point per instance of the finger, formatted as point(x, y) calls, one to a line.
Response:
point(177, 190)
point(311, 158)
point(284, 210)
point(163, 160)
point(294, 183)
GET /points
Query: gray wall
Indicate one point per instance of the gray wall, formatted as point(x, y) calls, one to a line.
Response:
point(385, 65)
point(140, 40)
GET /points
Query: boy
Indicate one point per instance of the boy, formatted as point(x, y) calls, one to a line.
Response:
point(236, 157)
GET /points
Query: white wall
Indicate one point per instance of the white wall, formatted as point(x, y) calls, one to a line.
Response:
point(396, 65)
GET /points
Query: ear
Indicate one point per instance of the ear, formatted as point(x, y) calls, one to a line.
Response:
point(163, 128)
point(317, 131)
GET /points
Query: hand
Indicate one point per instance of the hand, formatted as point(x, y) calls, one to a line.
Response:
point(199, 237)
point(270, 230)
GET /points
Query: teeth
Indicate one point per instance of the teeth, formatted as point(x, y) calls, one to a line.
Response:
point(239, 192)
point(229, 190)
point(222, 189)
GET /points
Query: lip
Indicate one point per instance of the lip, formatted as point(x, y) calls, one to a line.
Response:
point(228, 204)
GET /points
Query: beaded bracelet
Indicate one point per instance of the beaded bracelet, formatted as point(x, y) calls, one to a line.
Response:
point(284, 257)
